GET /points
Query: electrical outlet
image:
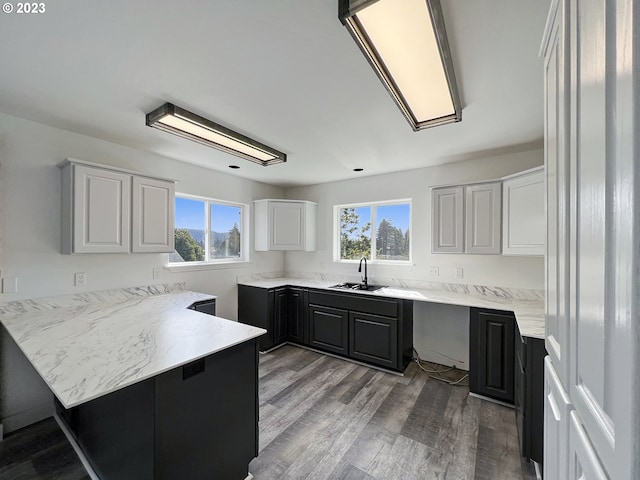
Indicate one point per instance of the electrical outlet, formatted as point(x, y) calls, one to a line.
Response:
point(9, 284)
point(434, 271)
point(459, 272)
point(156, 273)
point(80, 279)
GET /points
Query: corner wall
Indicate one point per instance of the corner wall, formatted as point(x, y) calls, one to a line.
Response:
point(493, 270)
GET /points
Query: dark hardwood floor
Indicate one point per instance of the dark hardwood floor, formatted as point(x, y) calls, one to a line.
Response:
point(325, 418)
point(40, 451)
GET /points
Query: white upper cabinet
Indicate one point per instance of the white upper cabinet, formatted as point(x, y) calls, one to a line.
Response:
point(447, 211)
point(152, 215)
point(466, 219)
point(285, 225)
point(96, 210)
point(524, 227)
point(101, 215)
point(482, 218)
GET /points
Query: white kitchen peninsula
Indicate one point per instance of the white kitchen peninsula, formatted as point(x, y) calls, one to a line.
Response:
point(148, 387)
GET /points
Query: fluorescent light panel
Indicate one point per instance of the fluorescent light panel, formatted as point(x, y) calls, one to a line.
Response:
point(183, 123)
point(405, 43)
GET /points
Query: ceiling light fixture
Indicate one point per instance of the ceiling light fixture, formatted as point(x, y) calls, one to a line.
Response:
point(183, 123)
point(406, 44)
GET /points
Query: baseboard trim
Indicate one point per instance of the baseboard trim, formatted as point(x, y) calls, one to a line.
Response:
point(492, 400)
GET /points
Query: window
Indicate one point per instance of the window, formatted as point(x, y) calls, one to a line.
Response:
point(377, 231)
point(209, 231)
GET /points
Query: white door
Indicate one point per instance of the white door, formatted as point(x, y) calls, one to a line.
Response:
point(447, 220)
point(583, 460)
point(557, 408)
point(153, 215)
point(101, 210)
point(483, 206)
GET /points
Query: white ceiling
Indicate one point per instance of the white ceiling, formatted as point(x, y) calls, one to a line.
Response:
point(285, 72)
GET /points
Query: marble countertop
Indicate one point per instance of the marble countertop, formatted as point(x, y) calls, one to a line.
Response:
point(528, 308)
point(89, 345)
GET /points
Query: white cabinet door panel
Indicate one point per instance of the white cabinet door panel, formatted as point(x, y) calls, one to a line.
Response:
point(524, 226)
point(153, 215)
point(287, 226)
point(101, 209)
point(583, 460)
point(557, 408)
point(483, 218)
point(447, 224)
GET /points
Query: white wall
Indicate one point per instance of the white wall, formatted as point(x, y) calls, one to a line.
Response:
point(494, 270)
point(30, 202)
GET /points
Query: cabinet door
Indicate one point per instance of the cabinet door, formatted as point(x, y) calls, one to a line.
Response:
point(482, 218)
point(280, 315)
point(447, 220)
point(256, 307)
point(374, 339)
point(524, 227)
point(491, 355)
point(153, 215)
point(101, 209)
point(287, 230)
point(295, 321)
point(328, 329)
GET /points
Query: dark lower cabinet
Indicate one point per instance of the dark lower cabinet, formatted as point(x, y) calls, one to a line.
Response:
point(296, 315)
point(529, 395)
point(491, 354)
point(198, 421)
point(329, 329)
point(280, 315)
point(374, 339)
point(375, 330)
point(205, 306)
point(280, 311)
point(256, 307)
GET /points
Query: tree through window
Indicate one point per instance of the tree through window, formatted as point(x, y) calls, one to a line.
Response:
point(378, 231)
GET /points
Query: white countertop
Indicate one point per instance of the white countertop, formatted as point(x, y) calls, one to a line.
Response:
point(84, 350)
point(529, 313)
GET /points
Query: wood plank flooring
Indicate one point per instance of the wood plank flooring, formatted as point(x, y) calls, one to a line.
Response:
point(325, 418)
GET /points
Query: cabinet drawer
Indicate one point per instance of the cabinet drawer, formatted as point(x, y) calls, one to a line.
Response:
point(356, 302)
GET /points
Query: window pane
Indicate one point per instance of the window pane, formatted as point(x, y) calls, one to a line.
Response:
point(189, 231)
point(225, 231)
point(392, 232)
point(355, 233)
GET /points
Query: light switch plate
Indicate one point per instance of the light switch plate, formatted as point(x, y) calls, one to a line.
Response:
point(459, 272)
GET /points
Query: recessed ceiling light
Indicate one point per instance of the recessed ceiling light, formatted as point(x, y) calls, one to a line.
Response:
point(406, 44)
point(234, 166)
point(183, 123)
point(358, 169)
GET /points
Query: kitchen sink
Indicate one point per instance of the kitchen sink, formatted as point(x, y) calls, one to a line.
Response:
point(357, 286)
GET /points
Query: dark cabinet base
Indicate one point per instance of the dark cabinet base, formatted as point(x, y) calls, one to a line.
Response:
point(197, 422)
point(491, 354)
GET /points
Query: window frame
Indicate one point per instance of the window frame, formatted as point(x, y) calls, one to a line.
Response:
point(373, 233)
point(220, 262)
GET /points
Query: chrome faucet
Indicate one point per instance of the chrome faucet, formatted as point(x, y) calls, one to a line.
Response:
point(365, 281)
